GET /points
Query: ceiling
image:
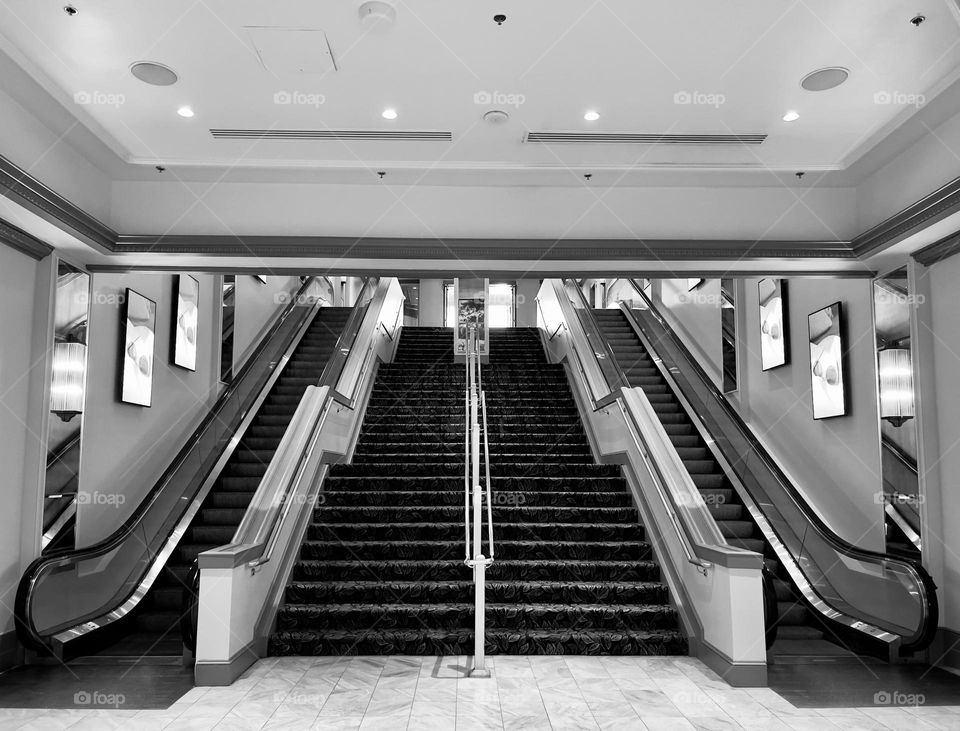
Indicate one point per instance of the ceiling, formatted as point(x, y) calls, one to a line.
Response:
point(739, 63)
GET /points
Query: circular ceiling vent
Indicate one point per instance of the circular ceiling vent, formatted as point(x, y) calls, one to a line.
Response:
point(377, 14)
point(824, 79)
point(153, 73)
point(496, 116)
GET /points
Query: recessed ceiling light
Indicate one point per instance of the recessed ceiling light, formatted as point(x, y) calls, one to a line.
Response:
point(591, 116)
point(496, 116)
point(825, 79)
point(154, 73)
point(389, 114)
point(791, 116)
point(185, 111)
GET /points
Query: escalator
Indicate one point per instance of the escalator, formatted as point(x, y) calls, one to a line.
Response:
point(126, 592)
point(827, 589)
point(795, 624)
point(155, 624)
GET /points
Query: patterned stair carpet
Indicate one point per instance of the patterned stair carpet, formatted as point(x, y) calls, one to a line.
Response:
point(381, 570)
point(154, 628)
point(795, 623)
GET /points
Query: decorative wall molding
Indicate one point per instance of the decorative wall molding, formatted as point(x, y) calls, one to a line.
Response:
point(939, 250)
point(21, 186)
point(23, 242)
point(345, 268)
point(939, 204)
point(482, 249)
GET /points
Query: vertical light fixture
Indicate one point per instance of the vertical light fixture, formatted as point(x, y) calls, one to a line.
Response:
point(896, 385)
point(66, 387)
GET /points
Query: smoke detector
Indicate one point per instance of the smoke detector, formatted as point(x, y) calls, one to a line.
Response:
point(377, 14)
point(496, 116)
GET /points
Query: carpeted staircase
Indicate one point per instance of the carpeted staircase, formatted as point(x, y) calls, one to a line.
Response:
point(796, 626)
point(381, 570)
point(154, 626)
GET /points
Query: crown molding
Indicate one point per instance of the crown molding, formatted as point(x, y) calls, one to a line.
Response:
point(934, 207)
point(481, 249)
point(23, 242)
point(939, 250)
point(518, 273)
point(19, 185)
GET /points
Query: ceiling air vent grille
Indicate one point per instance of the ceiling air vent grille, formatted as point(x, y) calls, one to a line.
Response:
point(378, 135)
point(631, 138)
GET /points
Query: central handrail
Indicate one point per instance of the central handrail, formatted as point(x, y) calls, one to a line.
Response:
point(475, 425)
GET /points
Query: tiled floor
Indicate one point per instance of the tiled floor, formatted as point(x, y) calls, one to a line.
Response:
point(386, 693)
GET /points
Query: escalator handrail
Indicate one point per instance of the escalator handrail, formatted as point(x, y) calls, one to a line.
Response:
point(264, 541)
point(597, 402)
point(924, 581)
point(897, 451)
point(26, 629)
point(620, 381)
point(334, 370)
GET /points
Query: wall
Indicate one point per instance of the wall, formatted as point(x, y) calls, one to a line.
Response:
point(126, 447)
point(527, 302)
point(943, 537)
point(18, 274)
point(431, 303)
point(59, 156)
point(257, 305)
point(457, 211)
point(835, 462)
point(698, 311)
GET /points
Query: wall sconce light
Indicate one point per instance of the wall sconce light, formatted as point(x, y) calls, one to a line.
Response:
point(896, 385)
point(66, 388)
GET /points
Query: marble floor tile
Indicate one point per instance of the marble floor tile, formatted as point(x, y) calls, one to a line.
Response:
point(523, 693)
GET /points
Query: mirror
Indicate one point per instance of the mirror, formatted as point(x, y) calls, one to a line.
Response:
point(898, 427)
point(67, 395)
point(728, 321)
point(228, 301)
